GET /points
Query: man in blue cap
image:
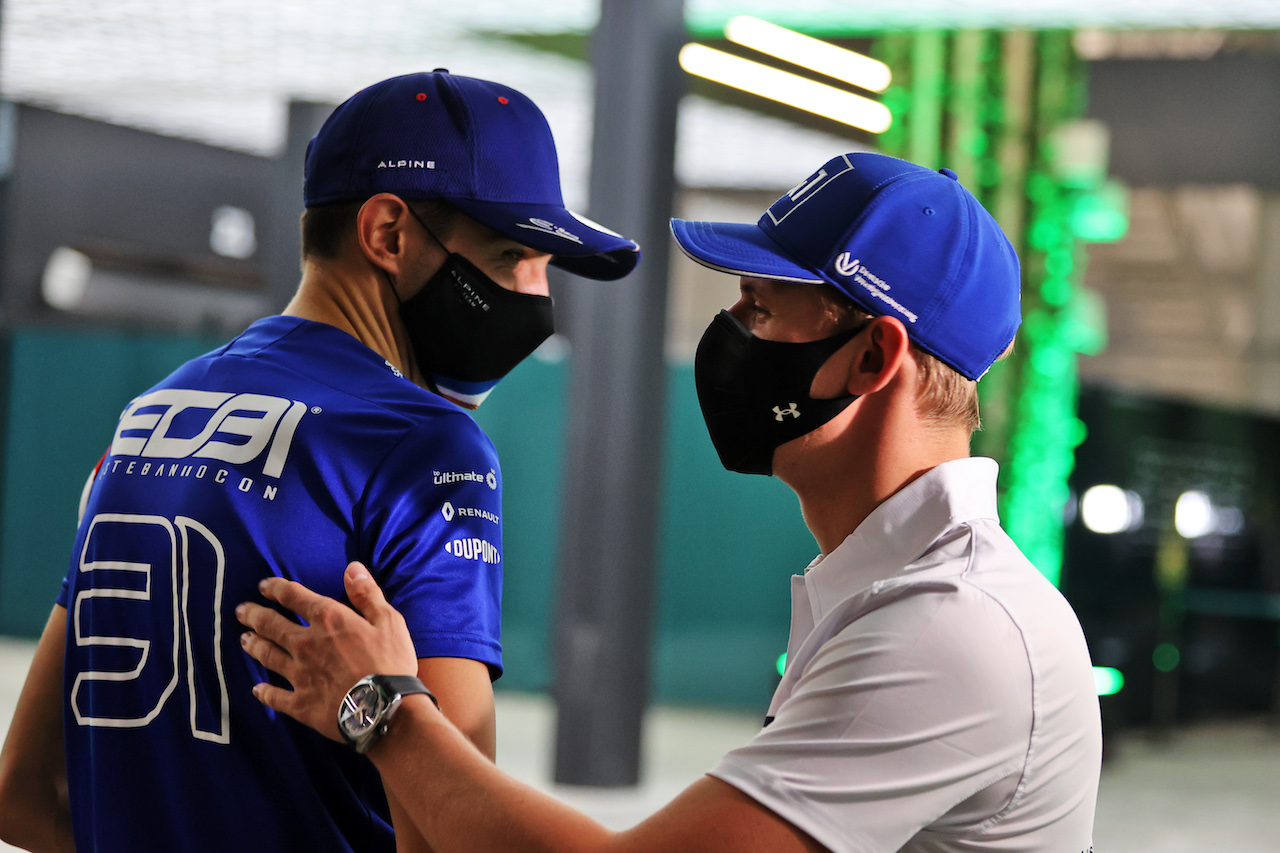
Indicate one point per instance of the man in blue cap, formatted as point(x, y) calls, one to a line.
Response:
point(938, 694)
point(332, 432)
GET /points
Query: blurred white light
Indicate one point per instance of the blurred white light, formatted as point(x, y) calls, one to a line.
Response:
point(1110, 509)
point(809, 52)
point(785, 88)
point(1193, 516)
point(1230, 520)
point(66, 278)
point(232, 234)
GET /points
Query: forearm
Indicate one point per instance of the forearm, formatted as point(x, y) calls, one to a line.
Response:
point(441, 783)
point(465, 694)
point(461, 802)
point(34, 812)
point(36, 818)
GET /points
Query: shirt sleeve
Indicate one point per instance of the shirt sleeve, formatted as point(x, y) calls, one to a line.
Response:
point(85, 491)
point(916, 708)
point(432, 535)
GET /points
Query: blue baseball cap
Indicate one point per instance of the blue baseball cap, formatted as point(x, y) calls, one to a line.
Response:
point(483, 147)
point(898, 239)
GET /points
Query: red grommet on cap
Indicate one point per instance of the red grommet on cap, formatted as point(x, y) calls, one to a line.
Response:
point(502, 99)
point(422, 96)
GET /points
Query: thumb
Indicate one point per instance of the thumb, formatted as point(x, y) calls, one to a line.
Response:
point(363, 591)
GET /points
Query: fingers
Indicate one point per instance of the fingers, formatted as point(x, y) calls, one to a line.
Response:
point(363, 590)
point(273, 697)
point(301, 703)
point(293, 595)
point(279, 699)
point(267, 622)
point(267, 653)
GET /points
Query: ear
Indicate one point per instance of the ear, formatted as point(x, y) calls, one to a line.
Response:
point(380, 224)
point(867, 363)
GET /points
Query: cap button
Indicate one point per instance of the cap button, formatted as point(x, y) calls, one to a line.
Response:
point(439, 70)
point(950, 174)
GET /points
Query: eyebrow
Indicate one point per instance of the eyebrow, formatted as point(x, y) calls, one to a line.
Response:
point(507, 245)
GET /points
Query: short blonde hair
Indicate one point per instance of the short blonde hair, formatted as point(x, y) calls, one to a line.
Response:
point(947, 399)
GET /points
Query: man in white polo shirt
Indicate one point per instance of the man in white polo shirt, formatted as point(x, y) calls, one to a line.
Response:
point(938, 693)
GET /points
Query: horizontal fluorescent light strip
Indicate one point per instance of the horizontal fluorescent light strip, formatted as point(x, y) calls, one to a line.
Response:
point(785, 88)
point(809, 52)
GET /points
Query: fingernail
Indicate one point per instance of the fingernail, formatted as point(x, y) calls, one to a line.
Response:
point(244, 638)
point(240, 611)
point(257, 690)
point(359, 573)
point(262, 584)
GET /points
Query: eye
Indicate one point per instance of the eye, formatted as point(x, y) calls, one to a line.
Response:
point(511, 258)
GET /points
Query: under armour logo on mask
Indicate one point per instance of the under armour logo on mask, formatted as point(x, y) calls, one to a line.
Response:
point(789, 410)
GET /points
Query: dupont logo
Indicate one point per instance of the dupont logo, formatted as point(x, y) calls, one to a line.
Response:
point(179, 423)
point(474, 549)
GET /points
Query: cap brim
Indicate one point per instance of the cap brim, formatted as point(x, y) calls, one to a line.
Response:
point(739, 248)
point(575, 243)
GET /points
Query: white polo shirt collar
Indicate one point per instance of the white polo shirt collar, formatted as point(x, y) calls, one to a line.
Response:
point(895, 535)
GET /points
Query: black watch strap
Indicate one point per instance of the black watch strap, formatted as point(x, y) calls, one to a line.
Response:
point(405, 685)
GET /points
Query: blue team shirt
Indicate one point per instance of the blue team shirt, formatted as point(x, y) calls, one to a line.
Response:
point(290, 451)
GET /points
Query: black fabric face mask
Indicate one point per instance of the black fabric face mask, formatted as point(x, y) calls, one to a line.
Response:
point(755, 393)
point(468, 331)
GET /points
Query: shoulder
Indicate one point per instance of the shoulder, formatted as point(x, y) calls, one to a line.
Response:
point(957, 639)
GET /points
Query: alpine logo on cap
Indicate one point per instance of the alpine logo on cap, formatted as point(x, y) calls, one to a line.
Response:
point(406, 164)
point(550, 228)
point(806, 190)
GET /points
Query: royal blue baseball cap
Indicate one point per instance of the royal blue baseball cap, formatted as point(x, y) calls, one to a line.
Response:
point(898, 239)
point(481, 146)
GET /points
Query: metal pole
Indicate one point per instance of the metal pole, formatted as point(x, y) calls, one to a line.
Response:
point(8, 146)
point(613, 462)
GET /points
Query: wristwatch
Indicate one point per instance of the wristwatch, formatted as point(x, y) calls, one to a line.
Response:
point(368, 707)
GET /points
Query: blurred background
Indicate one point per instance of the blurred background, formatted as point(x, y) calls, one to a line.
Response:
point(150, 184)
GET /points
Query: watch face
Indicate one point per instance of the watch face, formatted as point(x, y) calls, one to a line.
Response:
point(360, 710)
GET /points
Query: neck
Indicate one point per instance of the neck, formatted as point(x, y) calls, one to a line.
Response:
point(358, 300)
point(844, 470)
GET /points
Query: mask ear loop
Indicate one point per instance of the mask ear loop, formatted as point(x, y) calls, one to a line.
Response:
point(426, 228)
point(391, 284)
point(432, 234)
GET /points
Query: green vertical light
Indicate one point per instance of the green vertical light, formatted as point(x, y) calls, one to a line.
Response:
point(782, 663)
point(991, 103)
point(928, 80)
point(1045, 431)
point(1101, 215)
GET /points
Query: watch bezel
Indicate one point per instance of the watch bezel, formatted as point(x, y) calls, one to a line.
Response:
point(384, 706)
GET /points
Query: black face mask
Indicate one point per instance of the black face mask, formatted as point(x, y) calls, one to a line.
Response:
point(755, 393)
point(468, 331)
